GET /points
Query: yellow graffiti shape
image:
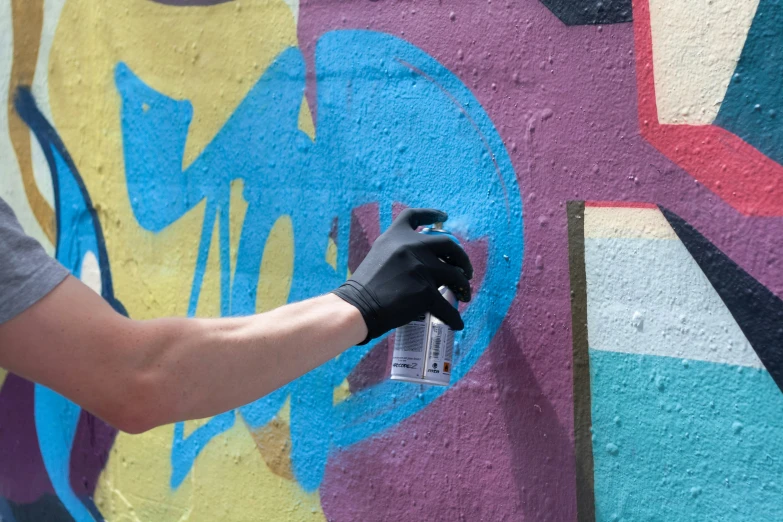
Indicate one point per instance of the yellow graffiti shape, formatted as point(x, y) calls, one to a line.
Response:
point(27, 19)
point(229, 481)
point(210, 55)
point(277, 266)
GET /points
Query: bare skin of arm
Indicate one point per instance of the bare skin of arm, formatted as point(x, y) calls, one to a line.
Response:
point(137, 375)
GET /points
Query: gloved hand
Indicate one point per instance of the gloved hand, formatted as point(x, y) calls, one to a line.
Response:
point(399, 279)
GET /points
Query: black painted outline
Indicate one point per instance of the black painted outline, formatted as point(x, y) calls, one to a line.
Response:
point(757, 310)
point(591, 12)
point(583, 420)
point(49, 140)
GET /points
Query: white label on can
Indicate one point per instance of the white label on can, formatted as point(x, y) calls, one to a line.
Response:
point(441, 346)
point(409, 343)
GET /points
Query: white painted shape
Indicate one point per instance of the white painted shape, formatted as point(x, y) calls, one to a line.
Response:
point(90, 273)
point(11, 188)
point(294, 6)
point(650, 297)
point(41, 172)
point(696, 46)
point(40, 88)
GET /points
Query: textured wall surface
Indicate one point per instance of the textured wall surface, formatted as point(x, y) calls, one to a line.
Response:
point(613, 168)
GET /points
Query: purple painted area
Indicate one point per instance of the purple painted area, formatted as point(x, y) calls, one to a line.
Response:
point(373, 368)
point(365, 229)
point(91, 446)
point(492, 449)
point(564, 101)
point(23, 478)
point(477, 251)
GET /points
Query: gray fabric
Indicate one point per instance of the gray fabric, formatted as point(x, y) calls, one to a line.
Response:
point(27, 272)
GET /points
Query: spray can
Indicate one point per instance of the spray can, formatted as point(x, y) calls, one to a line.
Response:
point(423, 348)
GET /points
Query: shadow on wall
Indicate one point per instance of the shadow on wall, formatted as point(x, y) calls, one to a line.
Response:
point(495, 436)
point(540, 447)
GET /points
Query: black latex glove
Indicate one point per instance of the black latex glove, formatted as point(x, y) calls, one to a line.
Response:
point(399, 279)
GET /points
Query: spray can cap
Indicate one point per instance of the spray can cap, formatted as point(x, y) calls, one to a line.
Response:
point(438, 225)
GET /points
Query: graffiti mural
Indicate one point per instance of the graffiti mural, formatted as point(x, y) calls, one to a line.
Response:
point(219, 158)
point(712, 123)
point(666, 376)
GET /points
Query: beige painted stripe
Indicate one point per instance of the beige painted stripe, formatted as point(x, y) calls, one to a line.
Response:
point(643, 223)
point(27, 18)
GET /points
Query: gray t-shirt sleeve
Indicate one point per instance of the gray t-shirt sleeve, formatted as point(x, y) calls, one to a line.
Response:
point(27, 272)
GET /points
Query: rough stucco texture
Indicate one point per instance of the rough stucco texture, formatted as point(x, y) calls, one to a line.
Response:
point(612, 169)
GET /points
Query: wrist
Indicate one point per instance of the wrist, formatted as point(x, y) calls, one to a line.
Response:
point(357, 296)
point(349, 317)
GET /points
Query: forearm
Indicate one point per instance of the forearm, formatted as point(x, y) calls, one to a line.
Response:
point(202, 367)
point(140, 374)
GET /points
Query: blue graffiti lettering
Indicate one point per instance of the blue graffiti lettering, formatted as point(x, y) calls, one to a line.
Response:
point(393, 126)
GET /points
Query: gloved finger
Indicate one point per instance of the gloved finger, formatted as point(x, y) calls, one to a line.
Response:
point(451, 252)
point(453, 278)
point(443, 310)
point(416, 217)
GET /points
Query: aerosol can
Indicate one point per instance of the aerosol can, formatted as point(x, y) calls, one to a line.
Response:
point(423, 348)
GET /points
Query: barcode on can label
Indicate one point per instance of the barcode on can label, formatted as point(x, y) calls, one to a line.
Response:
point(449, 347)
point(436, 342)
point(441, 346)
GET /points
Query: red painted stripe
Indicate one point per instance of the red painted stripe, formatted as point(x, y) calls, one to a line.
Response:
point(620, 204)
point(736, 171)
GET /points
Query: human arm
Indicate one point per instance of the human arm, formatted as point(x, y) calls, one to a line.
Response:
point(140, 374)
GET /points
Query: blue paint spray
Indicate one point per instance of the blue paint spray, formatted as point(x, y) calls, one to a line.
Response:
point(392, 124)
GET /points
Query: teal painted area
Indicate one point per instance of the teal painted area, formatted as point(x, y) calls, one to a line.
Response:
point(752, 106)
point(675, 440)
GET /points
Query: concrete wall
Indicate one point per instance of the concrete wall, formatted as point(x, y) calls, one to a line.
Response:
point(614, 170)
